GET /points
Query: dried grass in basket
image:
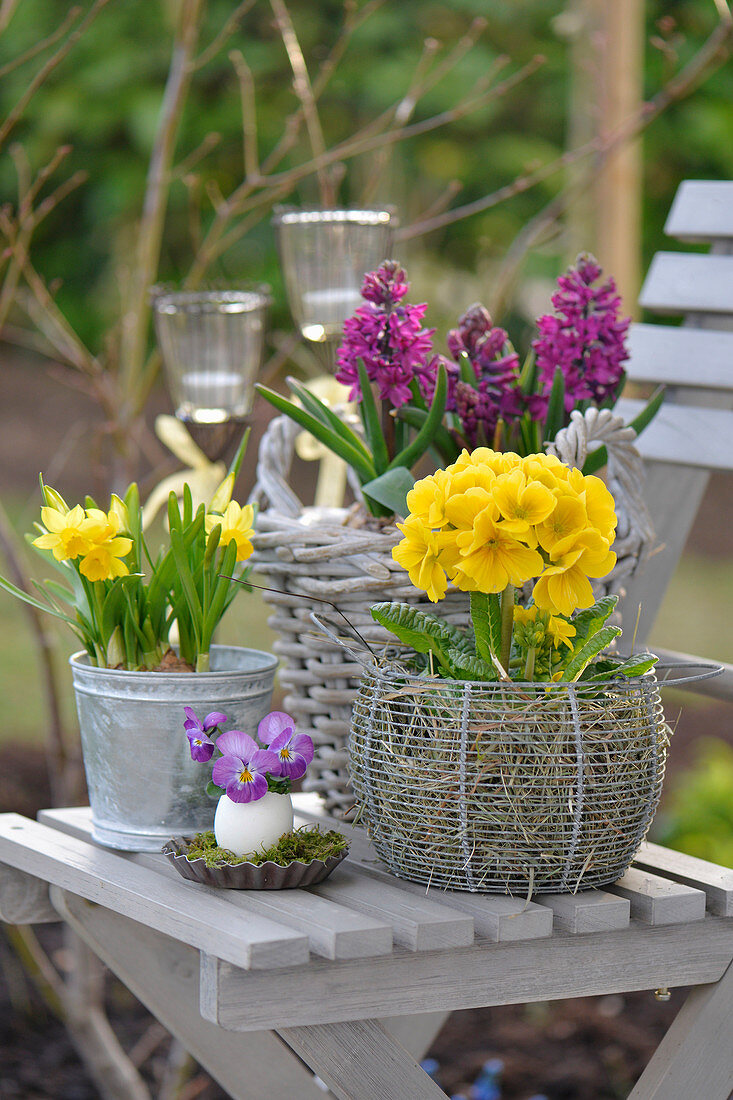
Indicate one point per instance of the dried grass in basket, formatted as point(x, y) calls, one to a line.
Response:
point(507, 788)
point(314, 555)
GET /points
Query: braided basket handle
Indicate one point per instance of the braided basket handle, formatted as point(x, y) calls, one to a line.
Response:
point(625, 466)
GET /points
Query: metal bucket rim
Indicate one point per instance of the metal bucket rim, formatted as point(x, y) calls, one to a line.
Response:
point(80, 662)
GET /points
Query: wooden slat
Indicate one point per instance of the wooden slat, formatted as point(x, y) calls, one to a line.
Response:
point(717, 882)
point(334, 931)
point(24, 898)
point(678, 356)
point(210, 924)
point(656, 900)
point(689, 282)
point(358, 1059)
point(418, 924)
point(636, 957)
point(685, 435)
point(587, 911)
point(702, 211)
point(495, 917)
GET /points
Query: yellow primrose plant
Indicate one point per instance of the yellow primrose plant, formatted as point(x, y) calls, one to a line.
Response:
point(121, 599)
point(493, 523)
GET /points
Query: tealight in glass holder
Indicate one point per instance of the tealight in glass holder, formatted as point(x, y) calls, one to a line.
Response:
point(211, 342)
point(324, 256)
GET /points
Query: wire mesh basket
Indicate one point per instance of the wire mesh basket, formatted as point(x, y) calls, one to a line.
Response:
point(507, 788)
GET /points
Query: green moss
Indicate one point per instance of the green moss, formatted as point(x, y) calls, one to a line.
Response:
point(304, 844)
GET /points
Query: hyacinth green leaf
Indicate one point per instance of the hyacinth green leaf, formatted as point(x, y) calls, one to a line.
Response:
point(632, 666)
point(327, 416)
point(590, 620)
point(465, 366)
point(466, 666)
point(391, 489)
point(556, 406)
point(597, 459)
point(370, 420)
point(351, 455)
point(528, 373)
point(581, 658)
point(424, 438)
point(443, 441)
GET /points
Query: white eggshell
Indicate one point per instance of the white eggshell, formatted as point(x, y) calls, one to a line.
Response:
point(248, 827)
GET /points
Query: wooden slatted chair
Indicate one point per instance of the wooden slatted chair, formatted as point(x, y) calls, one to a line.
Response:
point(692, 434)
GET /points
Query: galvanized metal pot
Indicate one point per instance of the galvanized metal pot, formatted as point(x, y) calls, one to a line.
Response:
point(143, 785)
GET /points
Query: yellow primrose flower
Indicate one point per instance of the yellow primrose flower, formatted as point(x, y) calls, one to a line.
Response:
point(491, 559)
point(600, 506)
point(236, 526)
point(426, 500)
point(522, 505)
point(463, 508)
point(65, 536)
point(561, 631)
point(419, 553)
point(525, 614)
point(567, 520)
point(563, 587)
point(101, 561)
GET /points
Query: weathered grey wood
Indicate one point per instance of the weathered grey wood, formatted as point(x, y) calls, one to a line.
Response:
point(656, 900)
point(702, 211)
point(24, 898)
point(715, 881)
point(415, 1033)
point(494, 917)
point(587, 911)
point(164, 975)
point(358, 1060)
point(695, 1058)
point(170, 907)
point(678, 356)
point(689, 282)
point(685, 435)
point(418, 924)
point(638, 957)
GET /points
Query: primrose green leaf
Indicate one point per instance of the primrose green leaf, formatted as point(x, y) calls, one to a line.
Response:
point(636, 665)
point(590, 620)
point(423, 632)
point(466, 666)
point(581, 658)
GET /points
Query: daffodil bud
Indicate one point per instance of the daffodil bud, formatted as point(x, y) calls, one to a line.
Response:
point(223, 495)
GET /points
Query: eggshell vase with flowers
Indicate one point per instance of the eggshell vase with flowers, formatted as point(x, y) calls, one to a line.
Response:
point(254, 778)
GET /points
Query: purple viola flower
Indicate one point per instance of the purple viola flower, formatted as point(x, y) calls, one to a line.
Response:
point(201, 745)
point(294, 750)
point(388, 337)
point(585, 337)
point(242, 769)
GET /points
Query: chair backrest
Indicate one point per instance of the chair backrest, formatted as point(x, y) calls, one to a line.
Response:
point(692, 434)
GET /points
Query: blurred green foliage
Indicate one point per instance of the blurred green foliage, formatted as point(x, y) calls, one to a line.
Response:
point(698, 816)
point(105, 97)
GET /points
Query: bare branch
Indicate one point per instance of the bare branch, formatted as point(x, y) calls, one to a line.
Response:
point(249, 116)
point(43, 44)
point(15, 114)
point(228, 29)
point(201, 151)
point(304, 92)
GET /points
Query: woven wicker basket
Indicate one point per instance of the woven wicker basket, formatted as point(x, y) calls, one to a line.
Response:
point(507, 788)
point(315, 556)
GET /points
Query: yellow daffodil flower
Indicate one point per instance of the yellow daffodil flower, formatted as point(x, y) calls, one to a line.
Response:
point(101, 561)
point(66, 536)
point(236, 526)
point(223, 495)
point(491, 558)
point(118, 508)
